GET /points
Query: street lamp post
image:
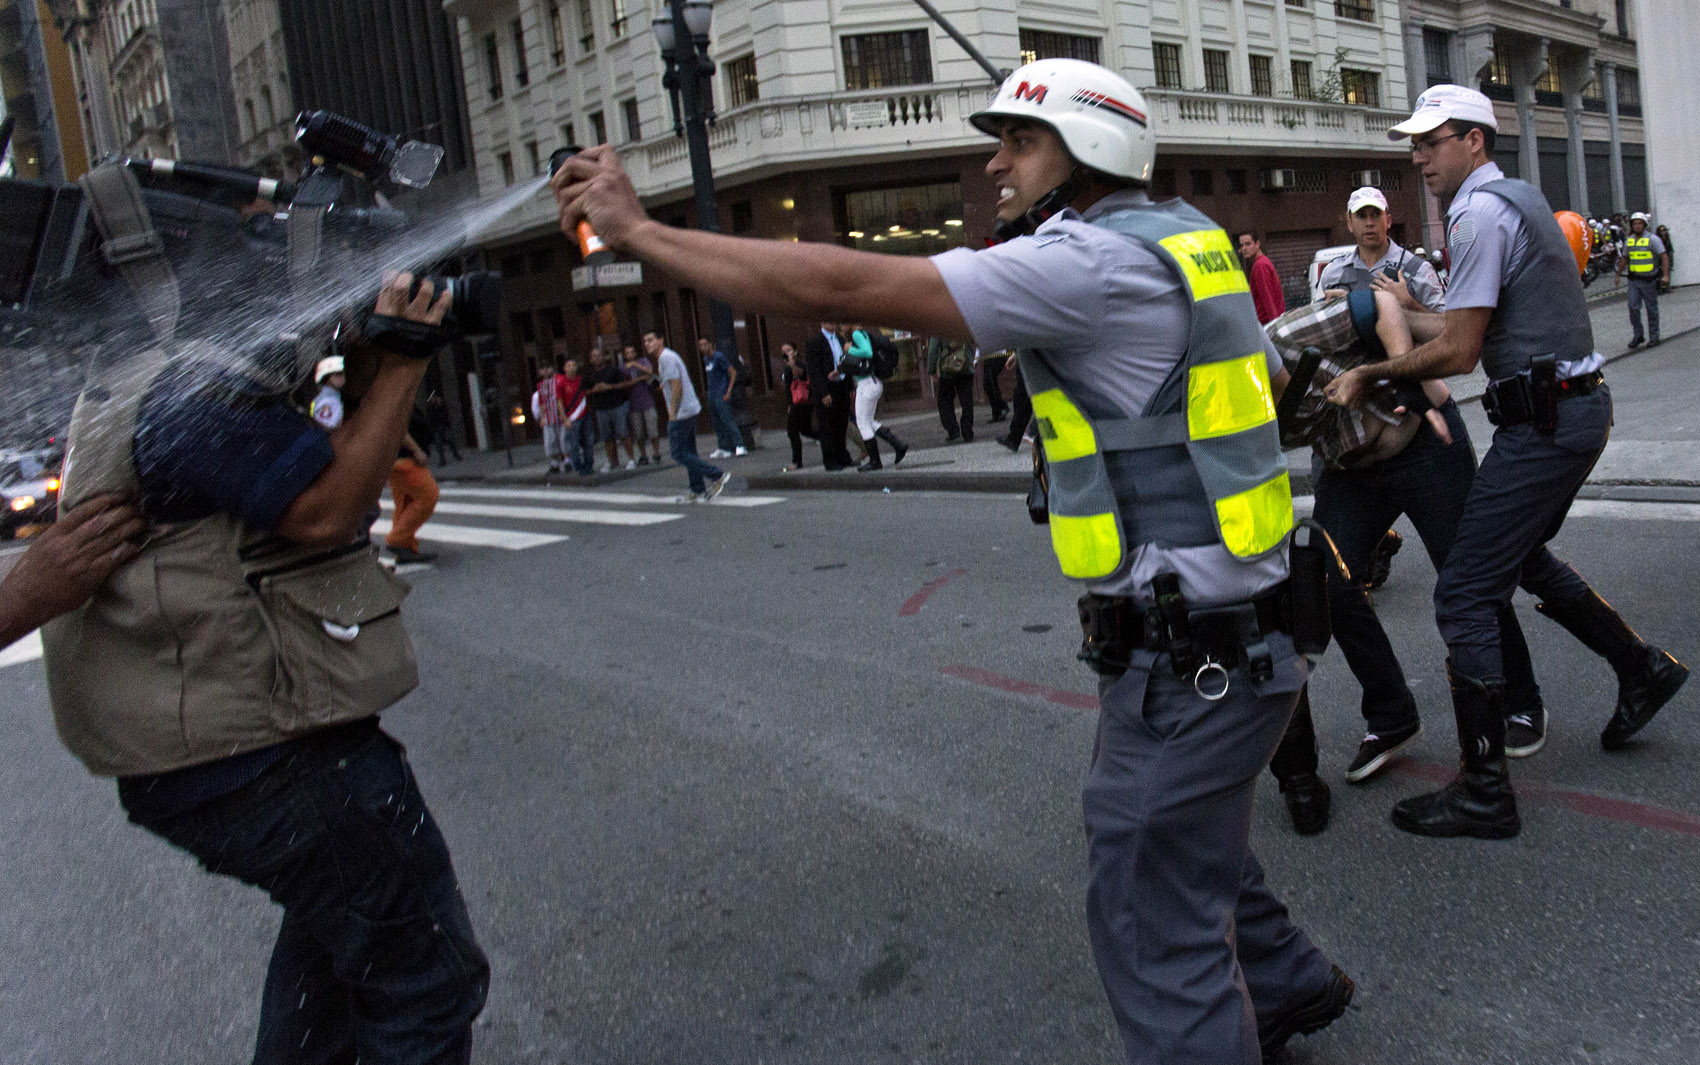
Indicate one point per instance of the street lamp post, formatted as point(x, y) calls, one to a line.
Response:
point(682, 34)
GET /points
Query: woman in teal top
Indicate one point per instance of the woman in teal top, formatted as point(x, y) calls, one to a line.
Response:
point(859, 364)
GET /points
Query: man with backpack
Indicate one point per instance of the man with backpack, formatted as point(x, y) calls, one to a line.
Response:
point(951, 365)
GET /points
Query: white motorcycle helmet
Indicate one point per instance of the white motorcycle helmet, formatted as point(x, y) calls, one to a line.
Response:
point(1102, 119)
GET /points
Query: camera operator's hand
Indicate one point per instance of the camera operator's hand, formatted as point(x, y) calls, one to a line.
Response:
point(394, 300)
point(68, 563)
point(407, 323)
point(592, 186)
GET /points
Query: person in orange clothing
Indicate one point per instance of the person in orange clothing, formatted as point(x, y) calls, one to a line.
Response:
point(414, 491)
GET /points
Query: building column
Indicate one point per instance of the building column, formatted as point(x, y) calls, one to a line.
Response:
point(1528, 62)
point(1575, 70)
point(1619, 200)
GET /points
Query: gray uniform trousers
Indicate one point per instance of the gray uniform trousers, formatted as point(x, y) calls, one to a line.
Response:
point(1190, 943)
point(1644, 291)
point(1518, 502)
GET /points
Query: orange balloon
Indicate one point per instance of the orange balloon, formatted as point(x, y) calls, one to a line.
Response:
point(1576, 231)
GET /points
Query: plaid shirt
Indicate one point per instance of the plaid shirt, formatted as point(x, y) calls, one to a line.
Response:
point(1338, 435)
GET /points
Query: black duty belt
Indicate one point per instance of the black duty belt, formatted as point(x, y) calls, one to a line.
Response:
point(1525, 397)
point(1198, 642)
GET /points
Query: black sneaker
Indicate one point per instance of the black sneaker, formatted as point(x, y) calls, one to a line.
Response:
point(1310, 1016)
point(407, 557)
point(1525, 733)
point(1377, 750)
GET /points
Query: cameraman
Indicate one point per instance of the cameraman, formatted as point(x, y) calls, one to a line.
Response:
point(231, 676)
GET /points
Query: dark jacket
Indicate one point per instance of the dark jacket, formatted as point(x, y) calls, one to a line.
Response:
point(817, 358)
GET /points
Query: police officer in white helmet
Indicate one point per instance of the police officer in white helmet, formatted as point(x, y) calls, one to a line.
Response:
point(1169, 503)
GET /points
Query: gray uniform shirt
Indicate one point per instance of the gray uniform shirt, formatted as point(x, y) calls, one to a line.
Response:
point(1420, 274)
point(1487, 241)
point(1112, 318)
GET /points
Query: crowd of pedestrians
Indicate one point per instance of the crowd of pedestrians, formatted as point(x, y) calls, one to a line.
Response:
point(613, 404)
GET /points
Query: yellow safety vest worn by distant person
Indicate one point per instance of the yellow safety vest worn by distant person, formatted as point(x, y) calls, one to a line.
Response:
point(1641, 262)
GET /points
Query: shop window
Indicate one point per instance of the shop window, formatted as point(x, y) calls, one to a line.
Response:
point(1203, 182)
point(910, 220)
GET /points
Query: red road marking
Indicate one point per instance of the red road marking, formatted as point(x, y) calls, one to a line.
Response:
point(913, 604)
point(1642, 815)
point(1582, 802)
point(987, 679)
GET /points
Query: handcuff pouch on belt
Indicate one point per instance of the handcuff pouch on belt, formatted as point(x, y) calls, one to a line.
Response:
point(1218, 638)
point(1197, 642)
point(1530, 396)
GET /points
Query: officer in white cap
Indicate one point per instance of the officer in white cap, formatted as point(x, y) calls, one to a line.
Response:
point(1515, 305)
point(1647, 263)
point(1379, 262)
point(327, 405)
point(1169, 502)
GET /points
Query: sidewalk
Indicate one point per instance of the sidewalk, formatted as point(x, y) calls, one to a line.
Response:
point(1650, 446)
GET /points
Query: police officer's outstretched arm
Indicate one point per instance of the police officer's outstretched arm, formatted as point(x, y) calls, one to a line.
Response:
point(808, 281)
point(332, 509)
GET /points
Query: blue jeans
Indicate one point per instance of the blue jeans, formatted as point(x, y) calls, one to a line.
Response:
point(682, 445)
point(1428, 482)
point(375, 957)
point(726, 432)
point(1520, 498)
point(581, 445)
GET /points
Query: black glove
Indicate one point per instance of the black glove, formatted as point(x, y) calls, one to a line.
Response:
point(403, 336)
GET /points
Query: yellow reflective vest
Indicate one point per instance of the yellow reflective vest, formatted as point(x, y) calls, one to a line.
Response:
point(1208, 437)
point(1640, 254)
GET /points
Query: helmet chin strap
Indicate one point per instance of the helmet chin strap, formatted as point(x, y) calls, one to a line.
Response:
point(1048, 204)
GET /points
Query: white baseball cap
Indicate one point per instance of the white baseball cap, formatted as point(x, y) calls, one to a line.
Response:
point(327, 366)
point(1368, 196)
point(1440, 104)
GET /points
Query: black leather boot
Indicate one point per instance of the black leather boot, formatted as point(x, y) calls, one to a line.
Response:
point(873, 460)
point(898, 447)
point(1479, 801)
point(1308, 803)
point(1647, 677)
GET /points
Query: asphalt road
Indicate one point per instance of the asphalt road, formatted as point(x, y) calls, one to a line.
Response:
point(798, 783)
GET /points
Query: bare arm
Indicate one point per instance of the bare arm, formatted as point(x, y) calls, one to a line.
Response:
point(820, 282)
point(68, 563)
point(332, 510)
point(675, 393)
point(1456, 350)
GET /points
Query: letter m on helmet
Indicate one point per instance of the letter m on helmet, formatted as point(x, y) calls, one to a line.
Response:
point(1033, 93)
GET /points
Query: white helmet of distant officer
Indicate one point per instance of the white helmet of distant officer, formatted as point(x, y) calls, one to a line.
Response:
point(1100, 117)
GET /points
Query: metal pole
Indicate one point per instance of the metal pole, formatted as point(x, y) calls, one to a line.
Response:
point(997, 75)
point(702, 168)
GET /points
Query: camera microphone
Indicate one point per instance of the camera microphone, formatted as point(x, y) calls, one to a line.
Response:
point(590, 246)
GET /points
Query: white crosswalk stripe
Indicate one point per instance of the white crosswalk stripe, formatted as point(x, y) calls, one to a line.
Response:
point(614, 499)
point(572, 507)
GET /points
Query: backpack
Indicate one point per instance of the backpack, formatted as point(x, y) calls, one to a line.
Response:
point(884, 362)
point(953, 360)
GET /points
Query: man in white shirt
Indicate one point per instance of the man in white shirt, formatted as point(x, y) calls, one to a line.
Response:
point(706, 481)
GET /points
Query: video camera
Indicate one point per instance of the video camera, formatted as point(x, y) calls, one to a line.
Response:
point(231, 256)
